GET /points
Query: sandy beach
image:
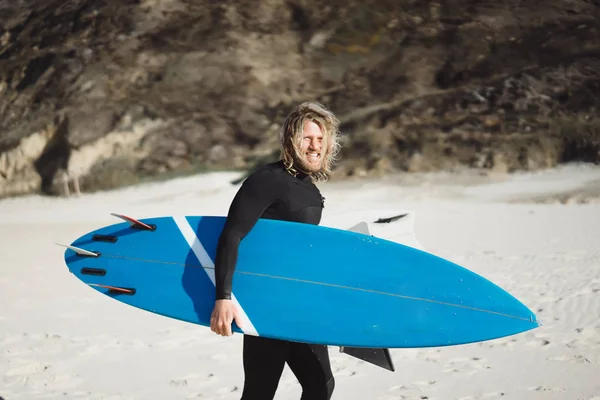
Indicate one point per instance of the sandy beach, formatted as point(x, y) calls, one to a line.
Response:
point(535, 234)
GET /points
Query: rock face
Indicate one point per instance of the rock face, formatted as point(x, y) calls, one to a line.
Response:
point(115, 92)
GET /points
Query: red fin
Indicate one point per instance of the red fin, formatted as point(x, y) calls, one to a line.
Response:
point(134, 222)
point(113, 288)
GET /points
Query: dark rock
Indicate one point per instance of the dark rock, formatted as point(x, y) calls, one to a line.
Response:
point(54, 157)
point(418, 86)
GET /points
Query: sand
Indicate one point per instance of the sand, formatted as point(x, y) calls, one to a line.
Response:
point(535, 234)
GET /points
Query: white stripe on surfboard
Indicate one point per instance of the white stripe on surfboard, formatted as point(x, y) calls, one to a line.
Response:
point(208, 264)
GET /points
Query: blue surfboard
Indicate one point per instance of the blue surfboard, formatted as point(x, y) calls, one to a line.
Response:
point(299, 282)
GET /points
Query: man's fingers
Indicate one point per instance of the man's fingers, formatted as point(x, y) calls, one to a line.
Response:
point(213, 323)
point(224, 329)
point(221, 320)
point(213, 319)
point(221, 326)
point(230, 317)
point(238, 321)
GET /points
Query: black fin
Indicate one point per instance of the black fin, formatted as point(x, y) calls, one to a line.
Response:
point(378, 357)
point(390, 219)
point(93, 271)
point(104, 238)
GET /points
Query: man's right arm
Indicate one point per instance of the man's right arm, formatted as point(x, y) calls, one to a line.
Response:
point(256, 194)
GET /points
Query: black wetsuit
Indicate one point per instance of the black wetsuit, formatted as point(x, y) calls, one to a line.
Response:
point(273, 193)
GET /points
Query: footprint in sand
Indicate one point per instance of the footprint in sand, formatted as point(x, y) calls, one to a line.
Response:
point(586, 337)
point(392, 397)
point(538, 341)
point(485, 396)
point(419, 386)
point(35, 371)
point(192, 379)
point(424, 383)
point(340, 371)
point(493, 395)
point(16, 381)
point(503, 342)
point(579, 359)
point(465, 365)
point(27, 368)
point(228, 389)
point(178, 382)
point(397, 388)
point(546, 389)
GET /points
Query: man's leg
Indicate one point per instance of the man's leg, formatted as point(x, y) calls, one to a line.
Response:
point(310, 364)
point(264, 360)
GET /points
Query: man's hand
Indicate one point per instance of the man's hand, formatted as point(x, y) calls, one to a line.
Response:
point(223, 314)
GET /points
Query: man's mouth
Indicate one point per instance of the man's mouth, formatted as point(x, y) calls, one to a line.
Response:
point(312, 157)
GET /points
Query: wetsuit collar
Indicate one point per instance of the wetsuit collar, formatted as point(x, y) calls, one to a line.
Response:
point(303, 176)
point(300, 175)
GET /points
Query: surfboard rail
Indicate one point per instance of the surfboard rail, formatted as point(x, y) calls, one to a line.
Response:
point(342, 287)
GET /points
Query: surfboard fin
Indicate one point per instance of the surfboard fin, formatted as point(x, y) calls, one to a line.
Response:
point(361, 227)
point(378, 357)
point(390, 219)
point(115, 289)
point(80, 251)
point(135, 223)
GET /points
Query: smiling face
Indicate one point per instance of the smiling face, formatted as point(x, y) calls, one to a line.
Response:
point(309, 141)
point(311, 156)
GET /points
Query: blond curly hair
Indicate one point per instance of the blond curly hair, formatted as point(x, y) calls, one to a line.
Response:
point(290, 138)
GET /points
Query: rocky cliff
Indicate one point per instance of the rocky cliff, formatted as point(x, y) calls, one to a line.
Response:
point(119, 91)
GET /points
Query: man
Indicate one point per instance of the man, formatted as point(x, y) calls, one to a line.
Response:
point(284, 190)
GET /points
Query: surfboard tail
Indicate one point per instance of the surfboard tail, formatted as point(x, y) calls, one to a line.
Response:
point(378, 357)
